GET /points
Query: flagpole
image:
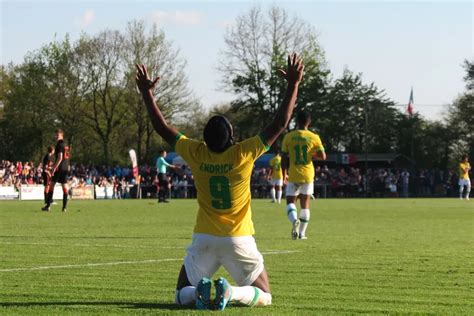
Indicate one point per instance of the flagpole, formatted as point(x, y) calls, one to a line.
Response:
point(412, 145)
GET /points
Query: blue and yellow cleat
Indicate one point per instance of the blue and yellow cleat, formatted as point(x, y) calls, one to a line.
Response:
point(203, 294)
point(223, 293)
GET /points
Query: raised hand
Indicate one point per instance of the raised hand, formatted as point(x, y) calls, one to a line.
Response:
point(143, 80)
point(295, 69)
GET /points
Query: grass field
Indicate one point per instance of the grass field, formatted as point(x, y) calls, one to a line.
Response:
point(123, 257)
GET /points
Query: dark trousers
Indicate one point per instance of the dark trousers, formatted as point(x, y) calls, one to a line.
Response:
point(164, 191)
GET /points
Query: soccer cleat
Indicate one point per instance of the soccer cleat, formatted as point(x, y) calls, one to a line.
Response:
point(203, 294)
point(64, 210)
point(302, 237)
point(45, 208)
point(295, 229)
point(223, 293)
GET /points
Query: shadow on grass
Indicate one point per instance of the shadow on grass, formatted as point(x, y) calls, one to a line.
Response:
point(128, 305)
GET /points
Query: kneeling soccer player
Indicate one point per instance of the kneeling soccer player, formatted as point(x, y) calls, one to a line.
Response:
point(223, 234)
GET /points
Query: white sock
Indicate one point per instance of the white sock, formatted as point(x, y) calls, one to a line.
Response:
point(279, 193)
point(468, 191)
point(185, 296)
point(291, 212)
point(250, 296)
point(272, 194)
point(304, 219)
point(461, 189)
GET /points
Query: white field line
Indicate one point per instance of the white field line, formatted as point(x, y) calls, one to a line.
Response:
point(67, 266)
point(88, 245)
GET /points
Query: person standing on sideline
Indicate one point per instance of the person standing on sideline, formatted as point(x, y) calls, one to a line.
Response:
point(47, 168)
point(276, 178)
point(405, 175)
point(59, 171)
point(464, 180)
point(298, 149)
point(161, 168)
point(223, 234)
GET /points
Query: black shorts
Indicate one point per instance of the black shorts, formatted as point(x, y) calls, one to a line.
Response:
point(60, 177)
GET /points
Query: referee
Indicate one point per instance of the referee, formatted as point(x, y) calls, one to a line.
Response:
point(161, 166)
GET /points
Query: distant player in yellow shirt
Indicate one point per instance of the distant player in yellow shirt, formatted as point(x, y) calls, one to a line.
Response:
point(223, 235)
point(299, 147)
point(464, 180)
point(276, 178)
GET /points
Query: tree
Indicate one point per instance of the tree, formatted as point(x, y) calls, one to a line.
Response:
point(256, 47)
point(460, 119)
point(67, 90)
point(103, 74)
point(172, 92)
point(28, 117)
point(355, 117)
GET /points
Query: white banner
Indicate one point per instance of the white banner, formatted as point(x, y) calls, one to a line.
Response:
point(83, 193)
point(103, 192)
point(8, 193)
point(36, 192)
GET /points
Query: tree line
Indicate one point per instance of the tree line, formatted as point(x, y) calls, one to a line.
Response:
point(87, 87)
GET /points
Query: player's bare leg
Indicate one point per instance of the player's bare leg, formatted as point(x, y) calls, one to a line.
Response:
point(279, 192)
point(304, 214)
point(273, 194)
point(292, 214)
point(185, 292)
point(49, 197)
point(256, 294)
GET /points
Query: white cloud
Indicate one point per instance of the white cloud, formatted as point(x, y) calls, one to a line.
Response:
point(86, 18)
point(177, 17)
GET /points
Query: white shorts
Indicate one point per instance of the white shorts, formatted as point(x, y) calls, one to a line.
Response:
point(463, 182)
point(295, 189)
point(277, 182)
point(238, 255)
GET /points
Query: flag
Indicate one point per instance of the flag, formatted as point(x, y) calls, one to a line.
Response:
point(346, 159)
point(410, 103)
point(133, 158)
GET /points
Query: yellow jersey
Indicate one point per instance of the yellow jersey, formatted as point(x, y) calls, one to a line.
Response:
point(275, 163)
point(463, 174)
point(222, 182)
point(300, 145)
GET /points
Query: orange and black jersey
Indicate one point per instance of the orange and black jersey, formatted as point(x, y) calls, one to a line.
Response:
point(61, 148)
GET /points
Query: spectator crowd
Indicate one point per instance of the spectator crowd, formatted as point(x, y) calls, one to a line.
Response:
point(329, 182)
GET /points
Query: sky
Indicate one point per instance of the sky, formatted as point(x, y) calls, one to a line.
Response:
point(395, 44)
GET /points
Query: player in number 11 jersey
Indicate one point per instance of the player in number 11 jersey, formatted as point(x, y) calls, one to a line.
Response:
point(298, 149)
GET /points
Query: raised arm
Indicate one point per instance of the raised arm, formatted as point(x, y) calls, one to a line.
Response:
point(293, 75)
point(146, 86)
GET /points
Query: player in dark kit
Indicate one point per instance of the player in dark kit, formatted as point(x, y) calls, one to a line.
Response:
point(47, 168)
point(59, 170)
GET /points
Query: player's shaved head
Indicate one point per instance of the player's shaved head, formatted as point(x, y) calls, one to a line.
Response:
point(303, 119)
point(218, 134)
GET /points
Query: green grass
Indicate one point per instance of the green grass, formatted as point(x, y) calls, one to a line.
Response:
point(362, 256)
